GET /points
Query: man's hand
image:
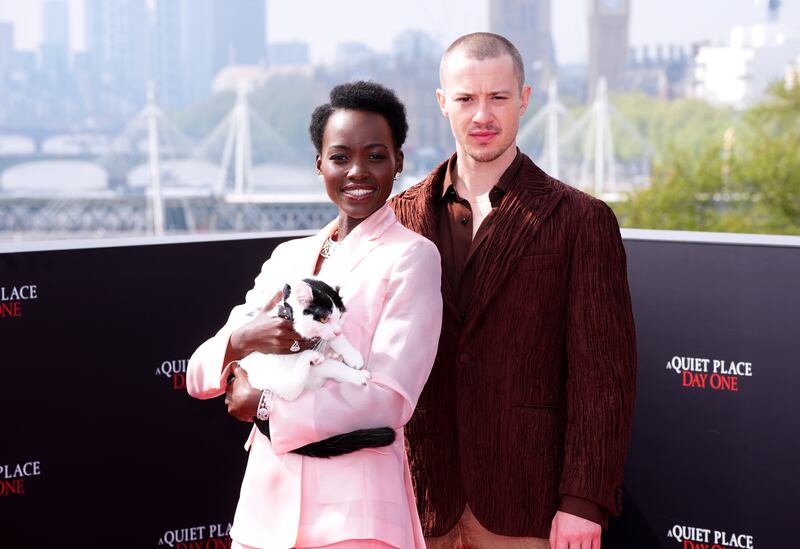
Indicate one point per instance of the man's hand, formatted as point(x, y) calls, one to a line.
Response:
point(240, 397)
point(572, 532)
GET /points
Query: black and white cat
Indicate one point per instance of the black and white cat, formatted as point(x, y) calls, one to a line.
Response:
point(317, 312)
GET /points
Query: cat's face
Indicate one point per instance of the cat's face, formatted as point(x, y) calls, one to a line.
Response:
point(318, 309)
point(326, 326)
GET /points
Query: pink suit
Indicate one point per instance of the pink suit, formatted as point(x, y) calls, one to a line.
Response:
point(390, 283)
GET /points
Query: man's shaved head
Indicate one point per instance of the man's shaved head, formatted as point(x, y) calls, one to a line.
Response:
point(484, 45)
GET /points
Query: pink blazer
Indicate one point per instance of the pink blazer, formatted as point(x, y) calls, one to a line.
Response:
point(390, 283)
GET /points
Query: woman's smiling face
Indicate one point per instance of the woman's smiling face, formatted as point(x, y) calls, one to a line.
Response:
point(358, 162)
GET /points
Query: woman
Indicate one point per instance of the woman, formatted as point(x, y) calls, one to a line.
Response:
point(390, 284)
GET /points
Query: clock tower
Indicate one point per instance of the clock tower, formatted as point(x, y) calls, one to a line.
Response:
point(608, 42)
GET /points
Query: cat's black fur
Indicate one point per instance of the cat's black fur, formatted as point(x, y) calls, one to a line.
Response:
point(340, 444)
point(322, 303)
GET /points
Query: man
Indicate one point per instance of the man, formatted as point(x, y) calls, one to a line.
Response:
point(520, 435)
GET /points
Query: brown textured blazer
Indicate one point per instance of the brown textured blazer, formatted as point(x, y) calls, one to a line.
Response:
point(531, 395)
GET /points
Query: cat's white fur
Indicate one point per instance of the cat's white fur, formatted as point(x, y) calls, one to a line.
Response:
point(289, 375)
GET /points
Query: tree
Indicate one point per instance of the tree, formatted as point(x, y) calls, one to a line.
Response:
point(747, 182)
point(686, 122)
point(771, 159)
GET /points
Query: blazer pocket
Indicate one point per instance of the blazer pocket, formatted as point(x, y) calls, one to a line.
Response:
point(540, 430)
point(538, 262)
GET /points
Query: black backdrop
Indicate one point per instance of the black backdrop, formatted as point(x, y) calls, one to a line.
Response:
point(100, 446)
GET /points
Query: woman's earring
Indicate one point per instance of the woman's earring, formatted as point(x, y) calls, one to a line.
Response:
point(396, 176)
point(321, 177)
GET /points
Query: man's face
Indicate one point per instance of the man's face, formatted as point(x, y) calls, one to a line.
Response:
point(483, 101)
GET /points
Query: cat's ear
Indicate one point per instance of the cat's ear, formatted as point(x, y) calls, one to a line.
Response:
point(337, 288)
point(287, 291)
point(302, 293)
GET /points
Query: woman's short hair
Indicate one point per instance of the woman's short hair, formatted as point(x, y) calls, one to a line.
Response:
point(361, 96)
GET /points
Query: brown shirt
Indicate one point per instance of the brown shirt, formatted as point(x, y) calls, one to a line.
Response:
point(458, 248)
point(454, 231)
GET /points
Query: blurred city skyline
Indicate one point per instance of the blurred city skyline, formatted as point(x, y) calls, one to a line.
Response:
point(192, 115)
point(652, 23)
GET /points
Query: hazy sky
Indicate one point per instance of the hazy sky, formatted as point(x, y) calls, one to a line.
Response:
point(323, 24)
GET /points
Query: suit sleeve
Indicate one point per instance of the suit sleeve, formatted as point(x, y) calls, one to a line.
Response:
point(403, 350)
point(206, 374)
point(601, 351)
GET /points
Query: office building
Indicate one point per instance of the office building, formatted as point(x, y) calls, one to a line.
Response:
point(527, 24)
point(54, 52)
point(116, 44)
point(239, 33)
point(6, 49)
point(194, 39)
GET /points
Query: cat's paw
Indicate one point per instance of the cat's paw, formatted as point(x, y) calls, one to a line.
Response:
point(361, 376)
point(315, 358)
point(354, 359)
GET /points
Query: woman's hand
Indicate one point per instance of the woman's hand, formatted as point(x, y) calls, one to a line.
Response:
point(265, 334)
point(241, 398)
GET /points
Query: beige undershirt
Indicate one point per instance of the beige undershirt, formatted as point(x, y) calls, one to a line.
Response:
point(481, 206)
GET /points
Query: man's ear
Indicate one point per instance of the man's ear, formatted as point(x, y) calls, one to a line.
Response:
point(524, 98)
point(442, 99)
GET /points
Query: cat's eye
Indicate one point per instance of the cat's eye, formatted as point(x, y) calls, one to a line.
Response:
point(323, 319)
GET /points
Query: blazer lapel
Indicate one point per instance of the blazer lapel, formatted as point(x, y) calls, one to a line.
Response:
point(523, 210)
point(358, 244)
point(449, 296)
point(416, 209)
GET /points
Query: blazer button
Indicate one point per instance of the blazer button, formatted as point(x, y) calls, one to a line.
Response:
point(464, 358)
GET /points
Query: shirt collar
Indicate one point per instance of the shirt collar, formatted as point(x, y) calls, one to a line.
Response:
point(497, 193)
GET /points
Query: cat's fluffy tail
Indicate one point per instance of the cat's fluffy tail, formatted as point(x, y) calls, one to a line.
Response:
point(341, 444)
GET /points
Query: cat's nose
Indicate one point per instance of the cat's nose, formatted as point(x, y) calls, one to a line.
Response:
point(337, 332)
